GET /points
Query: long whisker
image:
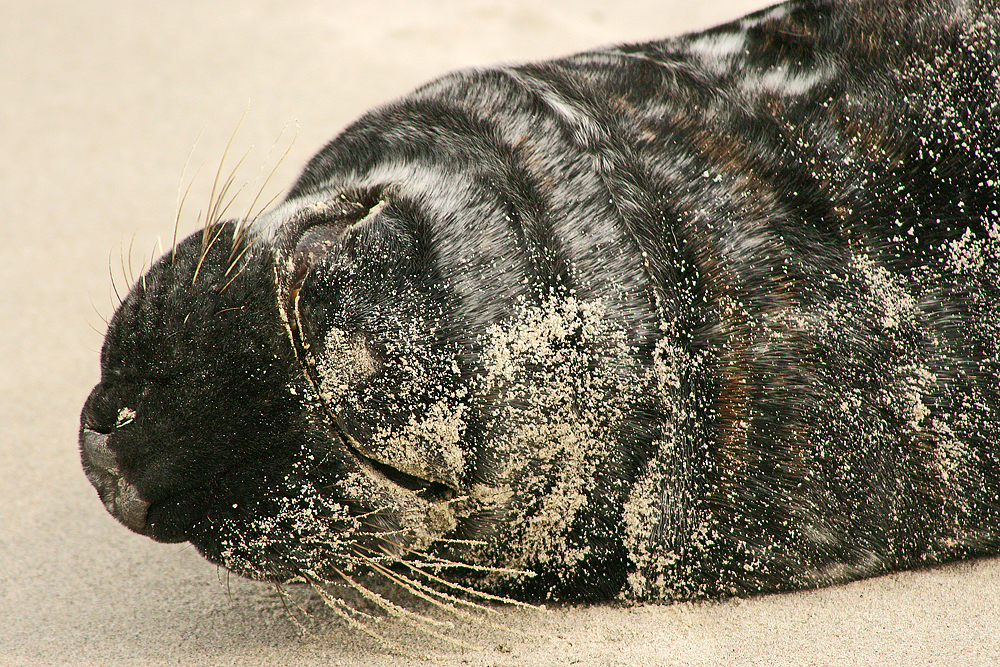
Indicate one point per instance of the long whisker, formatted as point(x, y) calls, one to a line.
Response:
point(98, 332)
point(114, 286)
point(474, 543)
point(436, 597)
point(240, 255)
point(285, 600)
point(339, 602)
point(247, 221)
point(238, 273)
point(444, 563)
point(416, 620)
point(204, 254)
point(218, 174)
point(250, 216)
point(121, 258)
point(465, 589)
point(179, 207)
point(131, 273)
point(391, 607)
point(177, 218)
point(98, 313)
point(219, 211)
point(335, 605)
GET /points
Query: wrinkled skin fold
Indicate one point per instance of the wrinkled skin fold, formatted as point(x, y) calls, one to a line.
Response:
point(711, 316)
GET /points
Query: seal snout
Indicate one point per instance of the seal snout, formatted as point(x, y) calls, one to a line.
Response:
point(120, 497)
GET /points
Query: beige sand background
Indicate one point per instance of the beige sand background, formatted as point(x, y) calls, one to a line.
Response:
point(100, 104)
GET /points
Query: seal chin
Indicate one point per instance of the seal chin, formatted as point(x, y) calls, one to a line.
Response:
point(120, 497)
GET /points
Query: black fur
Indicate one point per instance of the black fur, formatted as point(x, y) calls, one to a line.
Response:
point(710, 316)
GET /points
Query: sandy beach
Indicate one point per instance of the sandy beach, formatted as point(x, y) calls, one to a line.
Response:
point(100, 107)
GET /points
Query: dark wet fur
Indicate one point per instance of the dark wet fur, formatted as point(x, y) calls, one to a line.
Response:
point(791, 379)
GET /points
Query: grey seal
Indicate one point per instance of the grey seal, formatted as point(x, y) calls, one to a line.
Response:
point(709, 316)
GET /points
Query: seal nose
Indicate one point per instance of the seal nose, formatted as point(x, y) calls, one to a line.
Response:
point(120, 497)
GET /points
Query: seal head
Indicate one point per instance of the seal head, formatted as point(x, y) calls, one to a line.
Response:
point(205, 428)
